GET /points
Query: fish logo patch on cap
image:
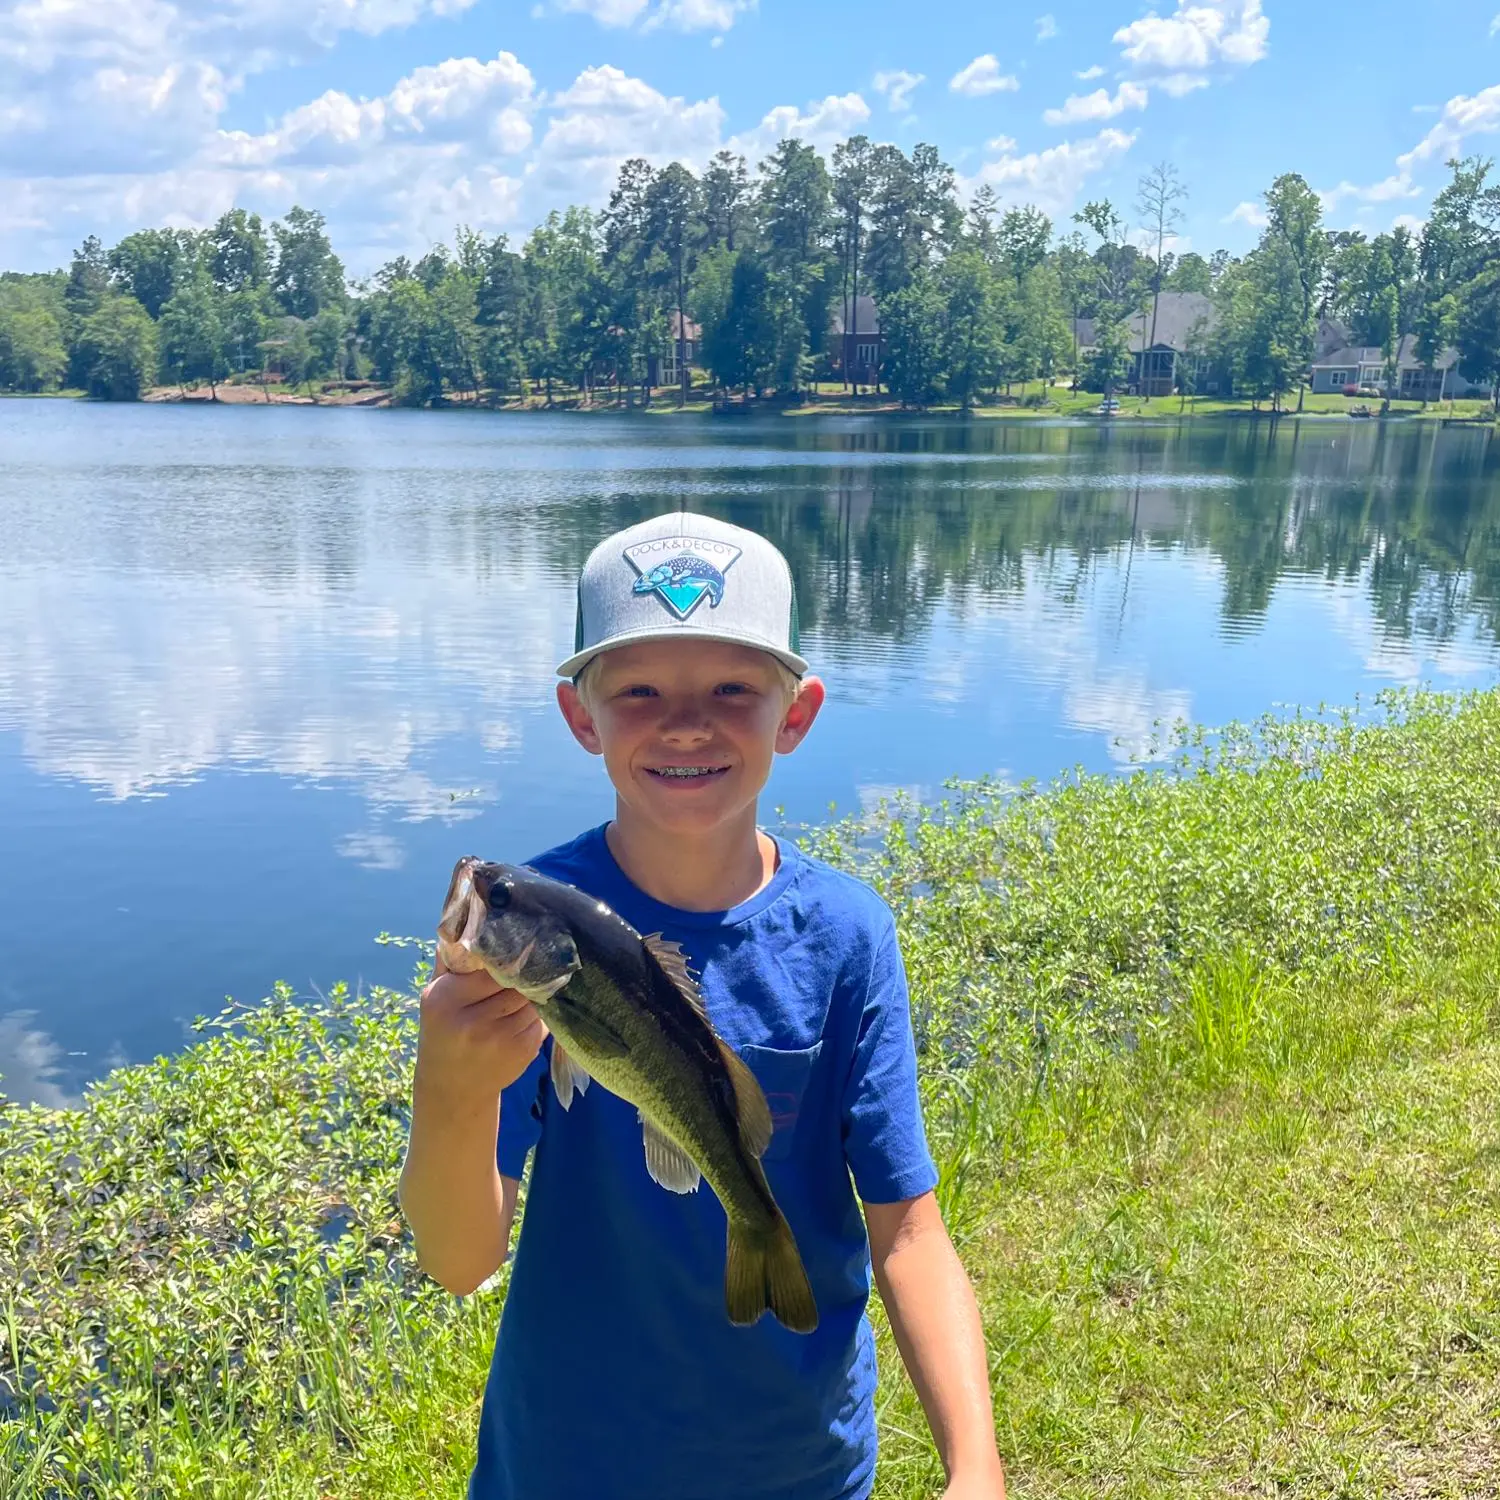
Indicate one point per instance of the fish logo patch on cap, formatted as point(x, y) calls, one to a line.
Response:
point(681, 571)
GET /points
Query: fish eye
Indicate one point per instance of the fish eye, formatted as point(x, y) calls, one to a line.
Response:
point(499, 897)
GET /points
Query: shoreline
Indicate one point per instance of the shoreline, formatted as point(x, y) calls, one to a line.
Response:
point(1070, 409)
point(1478, 414)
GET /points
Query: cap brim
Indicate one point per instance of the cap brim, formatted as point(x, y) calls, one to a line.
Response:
point(669, 632)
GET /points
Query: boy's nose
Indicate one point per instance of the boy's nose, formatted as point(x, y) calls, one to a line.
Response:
point(686, 721)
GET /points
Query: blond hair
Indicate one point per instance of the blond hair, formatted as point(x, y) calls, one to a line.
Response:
point(586, 681)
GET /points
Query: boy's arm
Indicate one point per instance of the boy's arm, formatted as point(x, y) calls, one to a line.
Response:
point(474, 1040)
point(936, 1323)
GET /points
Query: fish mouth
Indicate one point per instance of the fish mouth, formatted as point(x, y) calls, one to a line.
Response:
point(687, 775)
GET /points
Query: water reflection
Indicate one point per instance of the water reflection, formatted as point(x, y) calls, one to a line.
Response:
point(309, 653)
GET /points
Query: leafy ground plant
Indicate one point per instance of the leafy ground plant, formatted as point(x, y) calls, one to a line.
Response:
point(1210, 1056)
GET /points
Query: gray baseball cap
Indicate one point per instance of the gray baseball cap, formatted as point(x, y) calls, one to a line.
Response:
point(688, 577)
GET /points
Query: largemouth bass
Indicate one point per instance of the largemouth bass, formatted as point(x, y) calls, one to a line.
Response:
point(625, 1010)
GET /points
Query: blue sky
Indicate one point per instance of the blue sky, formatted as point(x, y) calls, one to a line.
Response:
point(402, 118)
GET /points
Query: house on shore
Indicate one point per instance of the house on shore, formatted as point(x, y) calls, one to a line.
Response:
point(1332, 335)
point(663, 369)
point(856, 346)
point(1176, 358)
point(1362, 366)
point(1171, 353)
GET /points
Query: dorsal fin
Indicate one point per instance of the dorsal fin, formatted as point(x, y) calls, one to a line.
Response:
point(754, 1112)
point(674, 965)
point(750, 1102)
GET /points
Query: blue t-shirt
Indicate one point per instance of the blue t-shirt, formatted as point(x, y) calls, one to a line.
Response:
point(617, 1374)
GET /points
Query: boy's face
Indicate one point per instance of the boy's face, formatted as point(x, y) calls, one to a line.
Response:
point(687, 729)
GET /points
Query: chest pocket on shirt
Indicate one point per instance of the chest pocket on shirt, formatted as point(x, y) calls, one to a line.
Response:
point(783, 1079)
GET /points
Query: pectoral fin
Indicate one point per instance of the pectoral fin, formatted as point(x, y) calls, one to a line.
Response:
point(568, 1075)
point(667, 1162)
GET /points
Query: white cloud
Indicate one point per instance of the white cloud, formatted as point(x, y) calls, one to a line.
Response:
point(1046, 28)
point(1179, 51)
point(897, 87)
point(697, 15)
point(1495, 26)
point(1253, 214)
point(824, 123)
point(1180, 84)
point(135, 85)
point(1099, 105)
point(605, 12)
point(1462, 117)
point(604, 117)
point(983, 76)
point(1051, 179)
point(1398, 185)
point(1196, 36)
point(1001, 145)
point(678, 15)
point(1090, 74)
point(1414, 224)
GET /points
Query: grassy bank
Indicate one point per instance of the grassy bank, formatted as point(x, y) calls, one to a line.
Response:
point(1210, 1057)
point(1030, 400)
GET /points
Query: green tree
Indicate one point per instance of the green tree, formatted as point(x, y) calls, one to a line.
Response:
point(1022, 240)
point(88, 279)
point(1110, 362)
point(972, 345)
point(740, 347)
point(308, 276)
point(1479, 330)
point(328, 334)
point(500, 304)
point(1437, 328)
point(852, 178)
point(796, 215)
point(33, 354)
point(151, 264)
point(1159, 201)
point(1295, 227)
point(913, 321)
point(674, 230)
point(728, 210)
point(244, 318)
point(1462, 233)
point(1191, 273)
point(116, 350)
point(1041, 337)
point(239, 254)
point(1075, 278)
point(190, 335)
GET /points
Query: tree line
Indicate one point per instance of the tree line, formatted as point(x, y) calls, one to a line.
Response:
point(767, 265)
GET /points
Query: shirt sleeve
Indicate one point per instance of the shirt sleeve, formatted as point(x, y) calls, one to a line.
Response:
point(885, 1141)
point(520, 1117)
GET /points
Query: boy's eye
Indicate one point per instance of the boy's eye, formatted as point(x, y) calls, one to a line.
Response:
point(640, 690)
point(733, 689)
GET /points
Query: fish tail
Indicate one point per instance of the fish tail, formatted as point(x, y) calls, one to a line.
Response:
point(764, 1270)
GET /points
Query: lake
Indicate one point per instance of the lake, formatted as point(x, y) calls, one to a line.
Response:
point(266, 673)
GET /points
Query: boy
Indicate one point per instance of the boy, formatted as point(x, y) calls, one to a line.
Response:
point(617, 1374)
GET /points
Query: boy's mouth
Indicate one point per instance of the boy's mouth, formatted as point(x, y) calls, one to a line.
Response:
point(687, 773)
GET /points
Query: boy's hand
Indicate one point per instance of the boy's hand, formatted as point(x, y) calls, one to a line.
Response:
point(474, 1038)
point(989, 1486)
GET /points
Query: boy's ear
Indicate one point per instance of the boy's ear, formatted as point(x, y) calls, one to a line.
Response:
point(580, 720)
point(800, 713)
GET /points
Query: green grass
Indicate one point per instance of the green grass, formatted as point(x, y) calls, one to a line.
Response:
point(1210, 1058)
